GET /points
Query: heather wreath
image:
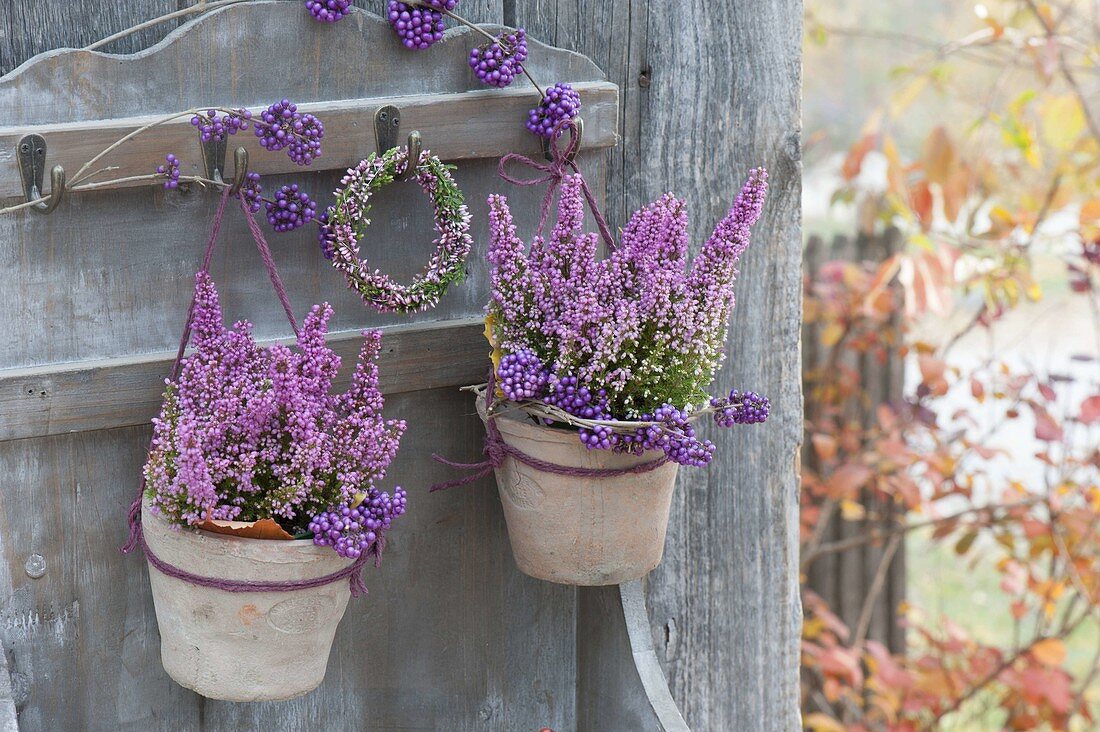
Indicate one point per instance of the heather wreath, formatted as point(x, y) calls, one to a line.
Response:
point(248, 433)
point(635, 336)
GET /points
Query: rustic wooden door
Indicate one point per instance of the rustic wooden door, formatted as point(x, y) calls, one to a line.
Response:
point(452, 636)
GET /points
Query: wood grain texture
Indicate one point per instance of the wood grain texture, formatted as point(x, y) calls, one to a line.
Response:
point(121, 392)
point(703, 101)
point(358, 58)
point(32, 28)
point(461, 126)
point(8, 720)
point(452, 636)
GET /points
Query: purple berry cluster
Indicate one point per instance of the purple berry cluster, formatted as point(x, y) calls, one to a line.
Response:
point(417, 27)
point(521, 376)
point(569, 395)
point(290, 209)
point(674, 435)
point(352, 531)
point(740, 407)
point(251, 192)
point(560, 102)
point(328, 11)
point(170, 170)
point(282, 126)
point(213, 128)
point(499, 63)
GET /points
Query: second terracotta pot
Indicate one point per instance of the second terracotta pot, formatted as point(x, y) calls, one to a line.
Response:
point(581, 531)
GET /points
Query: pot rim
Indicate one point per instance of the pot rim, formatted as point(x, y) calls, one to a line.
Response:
point(147, 513)
point(525, 428)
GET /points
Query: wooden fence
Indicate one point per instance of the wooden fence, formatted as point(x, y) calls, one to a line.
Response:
point(863, 585)
point(457, 639)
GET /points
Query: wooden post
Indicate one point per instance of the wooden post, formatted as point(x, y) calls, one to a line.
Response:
point(843, 580)
point(708, 90)
point(476, 645)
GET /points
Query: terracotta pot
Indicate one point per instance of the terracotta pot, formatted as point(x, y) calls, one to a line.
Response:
point(581, 531)
point(244, 646)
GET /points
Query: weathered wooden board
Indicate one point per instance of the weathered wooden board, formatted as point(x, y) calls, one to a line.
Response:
point(121, 392)
point(8, 720)
point(460, 126)
point(707, 91)
point(452, 636)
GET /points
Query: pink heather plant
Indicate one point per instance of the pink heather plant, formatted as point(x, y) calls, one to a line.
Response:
point(637, 335)
point(248, 433)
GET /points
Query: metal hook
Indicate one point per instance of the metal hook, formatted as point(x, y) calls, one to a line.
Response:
point(387, 122)
point(414, 148)
point(577, 133)
point(240, 170)
point(387, 125)
point(32, 164)
point(213, 160)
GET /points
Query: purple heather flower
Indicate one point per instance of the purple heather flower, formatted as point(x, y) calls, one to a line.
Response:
point(636, 335)
point(247, 433)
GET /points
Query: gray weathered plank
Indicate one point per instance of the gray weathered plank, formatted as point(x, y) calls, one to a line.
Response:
point(8, 721)
point(357, 58)
point(121, 392)
point(460, 126)
point(709, 90)
point(452, 636)
point(31, 28)
point(466, 641)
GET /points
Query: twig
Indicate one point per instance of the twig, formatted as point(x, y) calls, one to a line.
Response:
point(824, 518)
point(868, 609)
point(202, 6)
point(492, 38)
point(541, 410)
point(1067, 73)
point(1001, 668)
point(880, 534)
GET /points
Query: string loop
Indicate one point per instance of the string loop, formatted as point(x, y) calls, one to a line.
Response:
point(353, 572)
point(562, 161)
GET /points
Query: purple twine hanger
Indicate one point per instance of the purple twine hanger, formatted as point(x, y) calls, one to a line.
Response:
point(562, 161)
point(496, 450)
point(137, 538)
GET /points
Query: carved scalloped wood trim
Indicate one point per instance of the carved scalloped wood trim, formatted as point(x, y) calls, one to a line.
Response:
point(81, 101)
